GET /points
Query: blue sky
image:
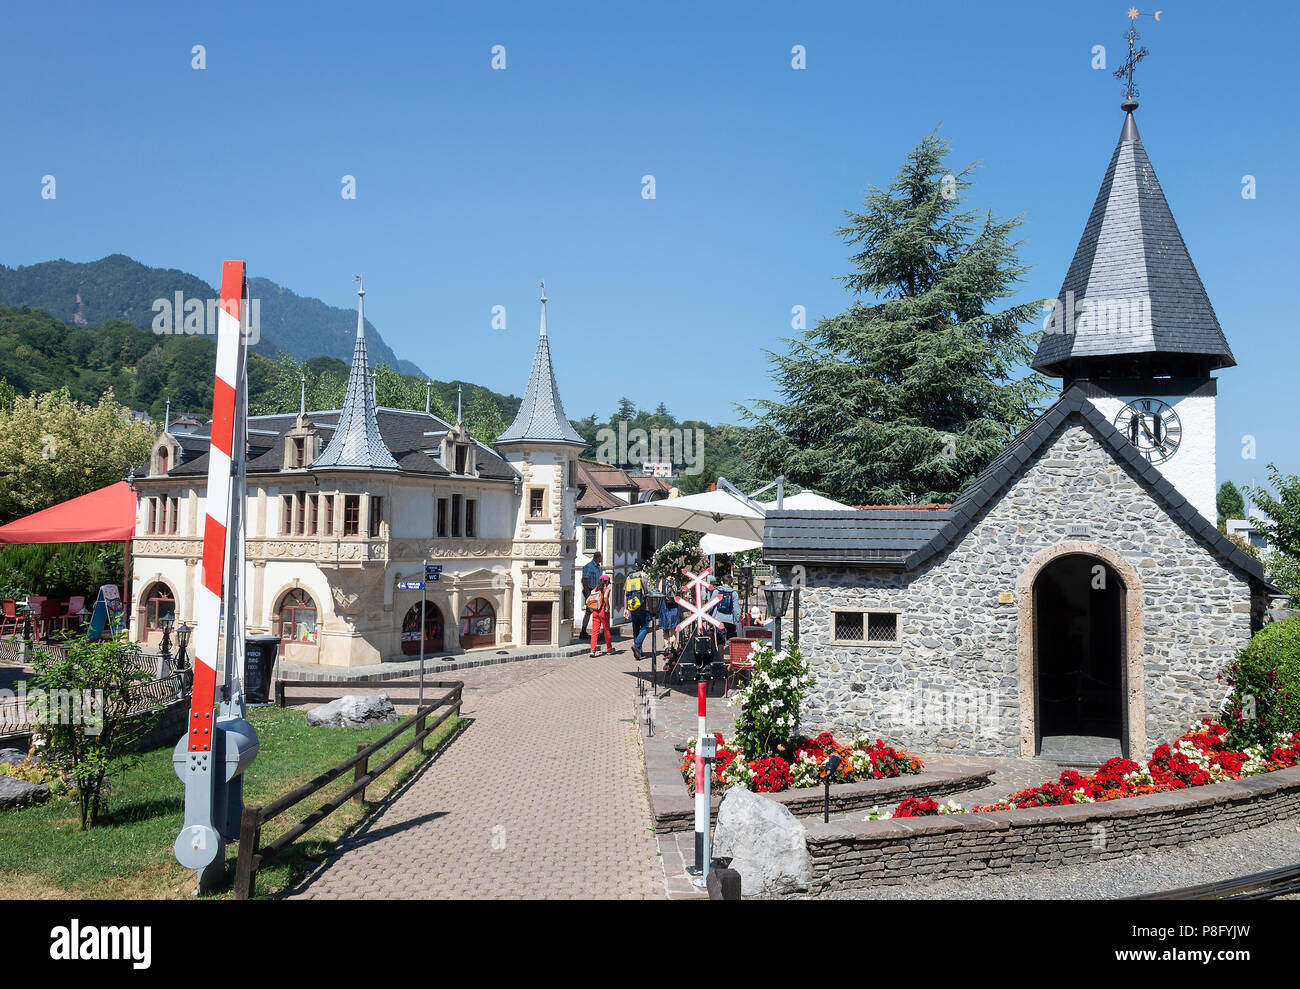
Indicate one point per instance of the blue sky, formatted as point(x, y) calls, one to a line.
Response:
point(473, 183)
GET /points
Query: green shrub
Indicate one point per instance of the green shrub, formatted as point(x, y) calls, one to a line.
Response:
point(770, 701)
point(1265, 682)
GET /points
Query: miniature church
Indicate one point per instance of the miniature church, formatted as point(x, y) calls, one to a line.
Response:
point(346, 506)
point(1077, 601)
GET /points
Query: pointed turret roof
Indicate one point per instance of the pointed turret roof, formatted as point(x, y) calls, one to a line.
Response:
point(356, 443)
point(1146, 297)
point(541, 417)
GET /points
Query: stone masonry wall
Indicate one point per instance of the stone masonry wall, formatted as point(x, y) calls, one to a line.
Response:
point(883, 853)
point(951, 683)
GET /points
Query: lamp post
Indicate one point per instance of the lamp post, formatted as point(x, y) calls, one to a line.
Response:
point(746, 589)
point(778, 600)
point(165, 647)
point(654, 601)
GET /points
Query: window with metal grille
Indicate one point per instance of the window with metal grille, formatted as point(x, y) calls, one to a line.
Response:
point(848, 626)
point(882, 626)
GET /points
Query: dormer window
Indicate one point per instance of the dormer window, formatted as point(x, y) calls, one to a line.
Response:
point(462, 457)
point(299, 457)
point(162, 461)
point(301, 444)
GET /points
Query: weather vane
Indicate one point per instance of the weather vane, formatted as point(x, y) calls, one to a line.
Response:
point(1135, 54)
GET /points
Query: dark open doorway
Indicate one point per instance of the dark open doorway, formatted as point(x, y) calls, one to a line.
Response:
point(1079, 658)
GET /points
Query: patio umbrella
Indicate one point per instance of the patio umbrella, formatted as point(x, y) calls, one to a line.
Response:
point(807, 501)
point(718, 512)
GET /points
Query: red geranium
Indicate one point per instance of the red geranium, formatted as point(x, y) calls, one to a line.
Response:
point(912, 807)
point(770, 775)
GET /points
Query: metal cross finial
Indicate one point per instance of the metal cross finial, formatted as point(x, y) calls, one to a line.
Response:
point(543, 290)
point(361, 285)
point(1135, 55)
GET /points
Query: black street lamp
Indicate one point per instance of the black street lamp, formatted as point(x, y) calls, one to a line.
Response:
point(654, 601)
point(182, 643)
point(165, 658)
point(746, 589)
point(778, 600)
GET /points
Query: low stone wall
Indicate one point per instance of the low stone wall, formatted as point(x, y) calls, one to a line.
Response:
point(673, 808)
point(875, 853)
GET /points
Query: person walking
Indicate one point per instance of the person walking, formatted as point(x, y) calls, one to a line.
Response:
point(635, 609)
point(669, 616)
point(598, 602)
point(590, 578)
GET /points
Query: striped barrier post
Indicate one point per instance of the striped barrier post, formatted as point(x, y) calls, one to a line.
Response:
point(215, 750)
point(705, 749)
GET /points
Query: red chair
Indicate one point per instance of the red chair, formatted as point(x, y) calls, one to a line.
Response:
point(738, 661)
point(48, 619)
point(70, 613)
point(9, 619)
point(758, 633)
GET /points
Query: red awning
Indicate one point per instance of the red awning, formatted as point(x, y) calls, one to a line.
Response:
point(103, 516)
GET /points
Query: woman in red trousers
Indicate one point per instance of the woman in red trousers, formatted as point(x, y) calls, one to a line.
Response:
point(600, 616)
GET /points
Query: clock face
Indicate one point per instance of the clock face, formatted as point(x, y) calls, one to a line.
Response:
point(1152, 426)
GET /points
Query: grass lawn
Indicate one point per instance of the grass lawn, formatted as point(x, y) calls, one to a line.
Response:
point(129, 854)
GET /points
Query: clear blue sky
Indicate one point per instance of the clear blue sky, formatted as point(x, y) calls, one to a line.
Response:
point(472, 183)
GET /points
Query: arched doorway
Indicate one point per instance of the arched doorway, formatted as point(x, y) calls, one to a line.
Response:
point(159, 603)
point(432, 630)
point(478, 624)
point(1080, 661)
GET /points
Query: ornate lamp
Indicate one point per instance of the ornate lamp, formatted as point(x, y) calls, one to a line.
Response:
point(778, 601)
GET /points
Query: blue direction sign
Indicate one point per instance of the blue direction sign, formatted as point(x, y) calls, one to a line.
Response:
point(410, 585)
point(433, 571)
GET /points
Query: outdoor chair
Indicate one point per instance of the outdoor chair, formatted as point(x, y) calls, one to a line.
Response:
point(758, 633)
point(738, 661)
point(48, 618)
point(9, 619)
point(70, 614)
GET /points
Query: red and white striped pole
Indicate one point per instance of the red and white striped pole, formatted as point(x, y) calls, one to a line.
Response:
point(705, 749)
point(210, 797)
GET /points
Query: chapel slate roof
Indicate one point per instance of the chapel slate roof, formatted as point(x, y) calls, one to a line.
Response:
point(1132, 254)
point(909, 540)
point(541, 417)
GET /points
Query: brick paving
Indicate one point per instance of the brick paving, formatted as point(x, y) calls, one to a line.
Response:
point(543, 796)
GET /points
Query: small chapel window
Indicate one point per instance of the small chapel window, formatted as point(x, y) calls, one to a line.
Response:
point(853, 627)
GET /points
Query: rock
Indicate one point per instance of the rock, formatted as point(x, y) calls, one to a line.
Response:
point(354, 711)
point(12, 756)
point(765, 843)
point(19, 793)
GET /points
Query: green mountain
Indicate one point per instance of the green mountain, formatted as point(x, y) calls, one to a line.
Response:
point(120, 288)
point(38, 353)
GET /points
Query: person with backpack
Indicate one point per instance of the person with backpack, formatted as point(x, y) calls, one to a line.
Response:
point(635, 609)
point(590, 578)
point(726, 610)
point(669, 615)
point(598, 606)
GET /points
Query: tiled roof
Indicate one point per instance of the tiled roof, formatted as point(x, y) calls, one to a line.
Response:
point(541, 417)
point(405, 433)
point(357, 443)
point(1133, 266)
point(911, 539)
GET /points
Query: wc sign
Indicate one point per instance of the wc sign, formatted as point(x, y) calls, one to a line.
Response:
point(432, 572)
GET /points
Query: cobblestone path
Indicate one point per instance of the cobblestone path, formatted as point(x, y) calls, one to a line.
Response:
point(542, 796)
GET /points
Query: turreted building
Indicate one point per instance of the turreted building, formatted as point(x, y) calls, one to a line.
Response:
point(346, 503)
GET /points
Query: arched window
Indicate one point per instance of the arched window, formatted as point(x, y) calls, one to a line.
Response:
point(432, 630)
point(297, 619)
point(158, 604)
point(478, 624)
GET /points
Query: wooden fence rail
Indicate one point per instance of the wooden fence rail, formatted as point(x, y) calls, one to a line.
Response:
point(251, 857)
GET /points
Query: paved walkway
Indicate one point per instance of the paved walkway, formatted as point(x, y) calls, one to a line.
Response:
point(543, 796)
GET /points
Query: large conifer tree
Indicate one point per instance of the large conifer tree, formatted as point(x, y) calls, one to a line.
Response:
point(908, 394)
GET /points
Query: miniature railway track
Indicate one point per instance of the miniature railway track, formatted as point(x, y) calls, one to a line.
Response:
point(1259, 886)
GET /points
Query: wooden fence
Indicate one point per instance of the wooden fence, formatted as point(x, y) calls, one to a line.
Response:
point(252, 857)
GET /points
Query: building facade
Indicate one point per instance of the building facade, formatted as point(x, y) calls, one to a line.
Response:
point(343, 505)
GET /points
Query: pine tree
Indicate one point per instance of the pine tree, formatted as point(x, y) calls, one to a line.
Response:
point(1229, 503)
point(909, 393)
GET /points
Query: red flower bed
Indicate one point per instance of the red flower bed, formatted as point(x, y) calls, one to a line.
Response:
point(912, 807)
point(770, 775)
point(1200, 756)
point(806, 767)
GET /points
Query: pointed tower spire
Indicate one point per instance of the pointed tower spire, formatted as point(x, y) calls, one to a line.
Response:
point(428, 395)
point(541, 417)
point(302, 395)
point(459, 420)
point(356, 442)
point(1132, 302)
point(167, 416)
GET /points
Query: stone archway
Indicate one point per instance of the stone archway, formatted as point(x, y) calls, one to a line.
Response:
point(1131, 639)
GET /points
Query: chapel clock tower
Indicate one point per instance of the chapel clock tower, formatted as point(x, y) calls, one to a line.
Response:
point(1134, 328)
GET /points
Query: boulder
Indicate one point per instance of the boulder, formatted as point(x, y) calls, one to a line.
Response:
point(354, 711)
point(19, 793)
point(12, 756)
point(766, 844)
